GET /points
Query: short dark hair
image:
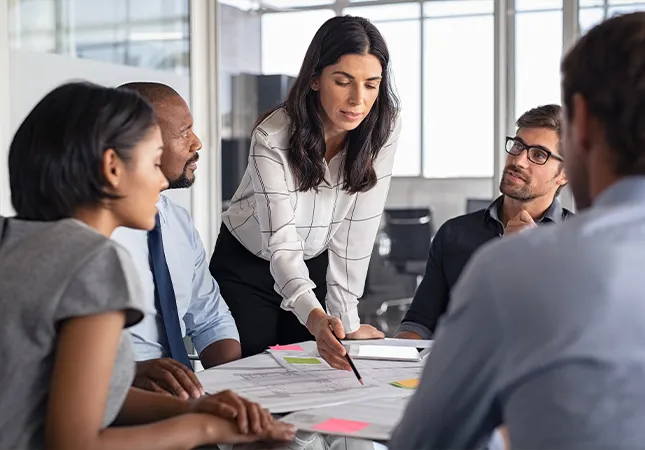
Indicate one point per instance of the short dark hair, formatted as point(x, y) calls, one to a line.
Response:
point(607, 68)
point(339, 36)
point(545, 116)
point(56, 156)
point(151, 90)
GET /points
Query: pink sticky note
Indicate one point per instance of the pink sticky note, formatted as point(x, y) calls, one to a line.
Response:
point(340, 426)
point(287, 348)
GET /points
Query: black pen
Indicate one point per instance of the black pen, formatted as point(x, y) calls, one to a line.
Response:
point(349, 360)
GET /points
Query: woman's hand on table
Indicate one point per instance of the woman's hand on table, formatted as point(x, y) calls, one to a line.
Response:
point(250, 417)
point(326, 329)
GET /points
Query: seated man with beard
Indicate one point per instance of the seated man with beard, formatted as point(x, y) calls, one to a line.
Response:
point(180, 296)
point(531, 182)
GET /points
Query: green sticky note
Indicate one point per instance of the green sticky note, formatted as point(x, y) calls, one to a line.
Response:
point(295, 360)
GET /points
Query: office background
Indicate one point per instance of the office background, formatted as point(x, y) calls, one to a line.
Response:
point(464, 70)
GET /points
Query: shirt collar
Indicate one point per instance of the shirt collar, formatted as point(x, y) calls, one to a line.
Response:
point(493, 209)
point(626, 190)
point(552, 214)
point(161, 209)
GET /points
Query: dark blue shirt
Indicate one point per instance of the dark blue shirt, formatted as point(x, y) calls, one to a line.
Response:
point(451, 249)
point(545, 334)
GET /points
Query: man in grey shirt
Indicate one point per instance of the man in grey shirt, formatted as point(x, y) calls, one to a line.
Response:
point(558, 312)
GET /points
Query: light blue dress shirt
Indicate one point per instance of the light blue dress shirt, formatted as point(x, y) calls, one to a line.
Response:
point(546, 334)
point(203, 313)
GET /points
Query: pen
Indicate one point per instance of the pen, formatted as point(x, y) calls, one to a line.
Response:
point(349, 360)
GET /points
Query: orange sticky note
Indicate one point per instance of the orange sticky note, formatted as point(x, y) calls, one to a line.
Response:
point(287, 348)
point(340, 426)
point(412, 383)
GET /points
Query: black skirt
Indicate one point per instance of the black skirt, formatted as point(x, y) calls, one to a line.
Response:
point(247, 285)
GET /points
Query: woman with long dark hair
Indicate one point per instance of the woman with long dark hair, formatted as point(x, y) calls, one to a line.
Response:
point(293, 251)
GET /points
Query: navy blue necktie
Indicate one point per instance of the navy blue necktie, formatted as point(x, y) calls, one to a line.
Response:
point(165, 299)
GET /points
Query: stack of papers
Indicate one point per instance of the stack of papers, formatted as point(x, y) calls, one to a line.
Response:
point(282, 391)
point(295, 379)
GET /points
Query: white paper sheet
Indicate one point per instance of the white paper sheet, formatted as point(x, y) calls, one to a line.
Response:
point(393, 342)
point(257, 362)
point(281, 391)
point(369, 419)
point(261, 379)
point(383, 352)
point(371, 364)
point(289, 358)
point(376, 371)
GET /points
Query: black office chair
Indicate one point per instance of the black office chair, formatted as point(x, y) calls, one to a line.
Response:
point(410, 232)
point(475, 204)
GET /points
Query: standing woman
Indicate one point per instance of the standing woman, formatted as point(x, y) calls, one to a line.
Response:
point(297, 238)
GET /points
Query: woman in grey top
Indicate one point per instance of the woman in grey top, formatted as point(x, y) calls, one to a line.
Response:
point(83, 162)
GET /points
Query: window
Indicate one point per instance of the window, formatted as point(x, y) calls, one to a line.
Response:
point(589, 17)
point(592, 12)
point(286, 37)
point(403, 38)
point(380, 13)
point(278, 4)
point(273, 5)
point(537, 59)
point(445, 8)
point(458, 96)
point(633, 5)
point(448, 93)
point(144, 33)
point(628, 7)
point(537, 5)
point(457, 68)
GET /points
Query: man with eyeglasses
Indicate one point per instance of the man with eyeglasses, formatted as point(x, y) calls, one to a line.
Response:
point(532, 179)
point(559, 359)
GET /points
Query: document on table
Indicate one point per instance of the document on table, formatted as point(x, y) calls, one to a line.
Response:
point(391, 376)
point(257, 362)
point(368, 419)
point(282, 391)
point(288, 387)
point(296, 359)
point(375, 371)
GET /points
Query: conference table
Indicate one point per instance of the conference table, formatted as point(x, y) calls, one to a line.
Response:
point(329, 407)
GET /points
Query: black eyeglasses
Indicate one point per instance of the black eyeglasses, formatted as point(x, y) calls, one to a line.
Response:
point(537, 154)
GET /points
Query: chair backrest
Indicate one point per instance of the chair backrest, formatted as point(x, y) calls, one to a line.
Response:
point(410, 231)
point(475, 204)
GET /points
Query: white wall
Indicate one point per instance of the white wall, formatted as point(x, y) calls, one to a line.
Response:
point(446, 197)
point(5, 110)
point(32, 75)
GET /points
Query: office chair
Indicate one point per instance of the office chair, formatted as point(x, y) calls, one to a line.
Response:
point(410, 232)
point(475, 204)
